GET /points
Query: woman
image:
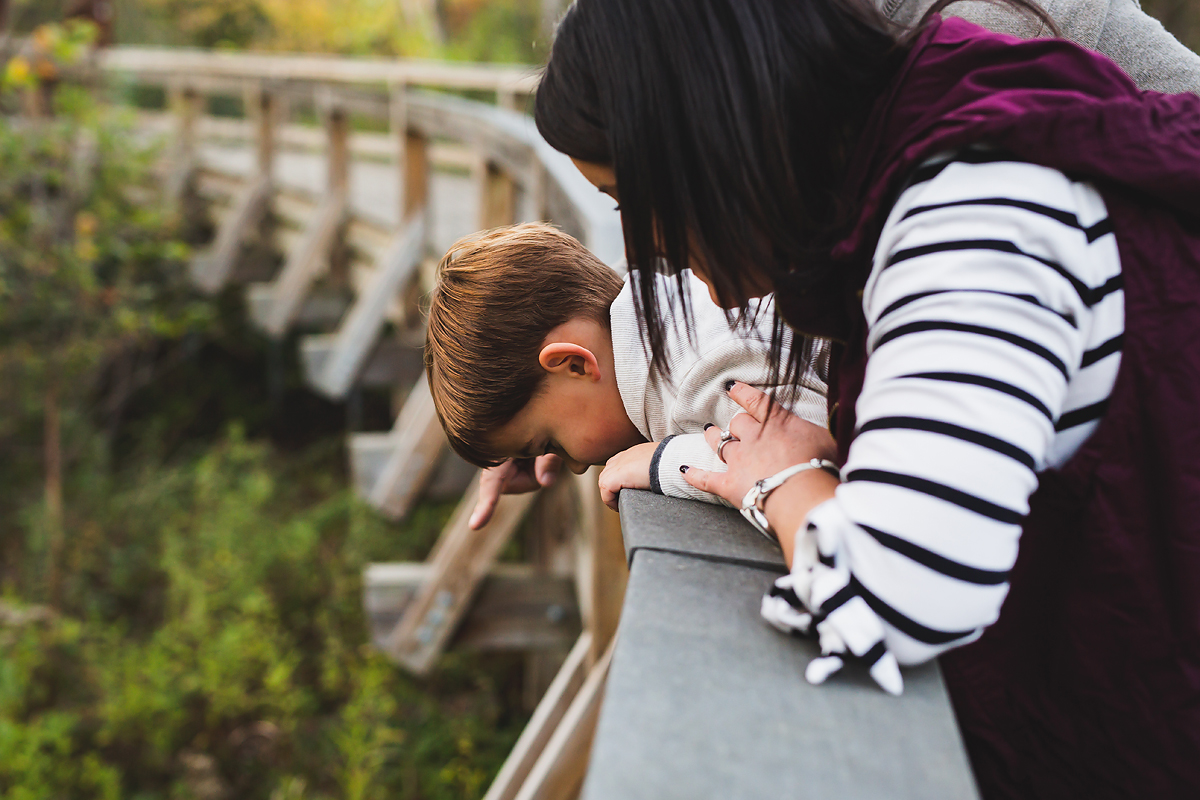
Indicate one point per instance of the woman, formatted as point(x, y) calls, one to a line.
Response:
point(1003, 241)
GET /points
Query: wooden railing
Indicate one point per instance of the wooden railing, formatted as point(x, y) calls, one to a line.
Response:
point(356, 272)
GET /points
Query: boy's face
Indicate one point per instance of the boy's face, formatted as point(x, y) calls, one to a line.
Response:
point(577, 414)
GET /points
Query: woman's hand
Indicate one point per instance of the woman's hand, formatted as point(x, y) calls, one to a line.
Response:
point(515, 476)
point(764, 447)
point(629, 469)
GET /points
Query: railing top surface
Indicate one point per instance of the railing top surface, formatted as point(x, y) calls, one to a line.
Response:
point(705, 700)
point(183, 63)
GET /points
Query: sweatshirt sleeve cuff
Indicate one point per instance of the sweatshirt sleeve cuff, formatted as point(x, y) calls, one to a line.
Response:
point(655, 460)
point(689, 449)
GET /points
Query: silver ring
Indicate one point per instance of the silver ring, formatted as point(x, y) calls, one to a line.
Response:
point(726, 438)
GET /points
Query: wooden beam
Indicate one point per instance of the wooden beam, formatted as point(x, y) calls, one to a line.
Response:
point(459, 561)
point(558, 773)
point(211, 271)
point(419, 442)
point(517, 607)
point(304, 264)
point(546, 718)
point(360, 331)
point(520, 608)
point(164, 63)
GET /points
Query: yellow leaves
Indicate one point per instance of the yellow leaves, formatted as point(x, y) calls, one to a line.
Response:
point(18, 73)
point(51, 47)
point(337, 26)
point(46, 37)
point(86, 224)
point(86, 250)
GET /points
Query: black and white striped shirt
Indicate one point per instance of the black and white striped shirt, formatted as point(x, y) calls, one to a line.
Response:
point(995, 318)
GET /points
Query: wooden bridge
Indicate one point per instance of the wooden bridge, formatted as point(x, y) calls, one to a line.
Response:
point(704, 701)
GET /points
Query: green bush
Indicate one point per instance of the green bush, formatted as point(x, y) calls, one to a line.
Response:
point(244, 669)
point(180, 593)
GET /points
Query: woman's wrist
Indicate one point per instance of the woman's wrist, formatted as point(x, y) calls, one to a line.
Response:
point(787, 507)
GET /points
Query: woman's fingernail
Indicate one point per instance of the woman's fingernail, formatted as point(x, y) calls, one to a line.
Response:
point(708, 425)
point(684, 468)
point(729, 385)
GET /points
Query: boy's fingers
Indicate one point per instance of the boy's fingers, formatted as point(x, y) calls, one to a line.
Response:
point(754, 401)
point(546, 469)
point(488, 497)
point(607, 493)
point(609, 497)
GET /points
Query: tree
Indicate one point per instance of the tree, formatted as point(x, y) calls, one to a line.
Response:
point(90, 274)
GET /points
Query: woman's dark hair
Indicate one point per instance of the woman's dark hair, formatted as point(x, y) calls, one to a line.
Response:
point(727, 123)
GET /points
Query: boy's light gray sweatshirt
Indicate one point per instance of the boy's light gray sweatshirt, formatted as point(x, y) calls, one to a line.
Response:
point(1119, 29)
point(674, 412)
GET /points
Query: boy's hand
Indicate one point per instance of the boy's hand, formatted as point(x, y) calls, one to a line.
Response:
point(515, 476)
point(629, 469)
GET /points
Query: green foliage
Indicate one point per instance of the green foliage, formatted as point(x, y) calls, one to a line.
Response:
point(244, 655)
point(471, 30)
point(180, 610)
point(87, 272)
point(501, 31)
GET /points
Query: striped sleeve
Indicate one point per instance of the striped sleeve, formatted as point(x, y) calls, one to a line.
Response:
point(994, 312)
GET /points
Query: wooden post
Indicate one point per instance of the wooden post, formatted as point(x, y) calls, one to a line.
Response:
point(531, 200)
point(211, 271)
point(509, 100)
point(498, 200)
point(264, 109)
point(324, 230)
point(187, 104)
point(412, 159)
point(337, 126)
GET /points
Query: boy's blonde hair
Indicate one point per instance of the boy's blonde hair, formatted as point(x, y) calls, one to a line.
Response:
point(498, 294)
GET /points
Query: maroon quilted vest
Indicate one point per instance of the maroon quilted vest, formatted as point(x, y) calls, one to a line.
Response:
point(1088, 686)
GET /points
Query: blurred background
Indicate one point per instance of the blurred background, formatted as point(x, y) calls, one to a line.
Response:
point(181, 544)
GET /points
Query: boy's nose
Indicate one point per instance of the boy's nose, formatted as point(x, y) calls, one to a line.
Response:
point(578, 467)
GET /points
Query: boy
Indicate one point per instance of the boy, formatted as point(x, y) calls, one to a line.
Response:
point(534, 347)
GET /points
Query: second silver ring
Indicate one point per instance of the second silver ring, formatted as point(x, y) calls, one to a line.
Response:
point(726, 438)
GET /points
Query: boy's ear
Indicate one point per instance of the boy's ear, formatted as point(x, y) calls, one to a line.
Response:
point(570, 359)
